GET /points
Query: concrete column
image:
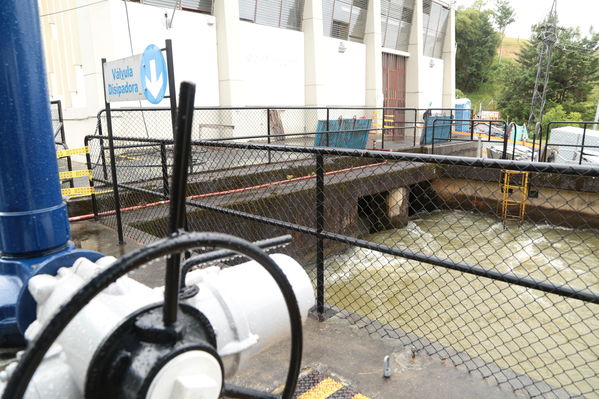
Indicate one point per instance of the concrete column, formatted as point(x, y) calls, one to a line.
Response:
point(314, 60)
point(398, 202)
point(448, 55)
point(374, 61)
point(230, 72)
point(415, 63)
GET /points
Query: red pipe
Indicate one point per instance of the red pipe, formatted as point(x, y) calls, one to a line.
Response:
point(214, 194)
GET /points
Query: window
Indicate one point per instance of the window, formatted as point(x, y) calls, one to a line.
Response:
point(396, 21)
point(203, 6)
point(435, 22)
point(287, 14)
point(345, 19)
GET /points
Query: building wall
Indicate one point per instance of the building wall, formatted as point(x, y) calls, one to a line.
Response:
point(345, 78)
point(432, 85)
point(271, 68)
point(272, 60)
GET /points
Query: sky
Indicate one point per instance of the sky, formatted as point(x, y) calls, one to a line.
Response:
point(571, 13)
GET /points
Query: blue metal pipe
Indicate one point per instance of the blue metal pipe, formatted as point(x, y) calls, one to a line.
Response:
point(33, 217)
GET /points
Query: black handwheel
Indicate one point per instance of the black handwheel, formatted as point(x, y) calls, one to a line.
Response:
point(17, 385)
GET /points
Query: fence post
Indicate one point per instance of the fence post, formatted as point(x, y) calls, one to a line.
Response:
point(506, 136)
point(584, 133)
point(115, 185)
point(319, 238)
point(163, 163)
point(88, 160)
point(534, 139)
point(63, 140)
point(327, 125)
point(544, 151)
point(451, 123)
point(268, 132)
point(433, 137)
point(102, 155)
point(383, 128)
point(415, 123)
point(171, 83)
point(514, 128)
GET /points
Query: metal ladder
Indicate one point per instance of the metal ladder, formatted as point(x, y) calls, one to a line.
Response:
point(514, 189)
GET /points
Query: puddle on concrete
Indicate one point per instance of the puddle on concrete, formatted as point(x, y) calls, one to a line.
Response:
point(544, 336)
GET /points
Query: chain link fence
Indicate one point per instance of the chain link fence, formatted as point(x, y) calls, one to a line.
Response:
point(488, 264)
point(389, 128)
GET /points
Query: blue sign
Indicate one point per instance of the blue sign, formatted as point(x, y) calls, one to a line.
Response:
point(153, 74)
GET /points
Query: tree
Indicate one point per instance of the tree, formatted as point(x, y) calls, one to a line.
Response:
point(557, 113)
point(504, 15)
point(478, 4)
point(477, 44)
point(573, 75)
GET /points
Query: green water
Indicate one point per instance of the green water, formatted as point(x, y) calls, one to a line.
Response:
point(544, 336)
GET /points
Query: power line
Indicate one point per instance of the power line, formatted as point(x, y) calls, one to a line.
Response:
point(74, 8)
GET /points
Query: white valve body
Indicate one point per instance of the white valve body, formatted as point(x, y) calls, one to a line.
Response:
point(242, 303)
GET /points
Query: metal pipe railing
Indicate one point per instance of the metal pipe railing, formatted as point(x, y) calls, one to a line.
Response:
point(320, 233)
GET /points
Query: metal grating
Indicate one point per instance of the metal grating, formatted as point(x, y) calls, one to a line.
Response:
point(315, 385)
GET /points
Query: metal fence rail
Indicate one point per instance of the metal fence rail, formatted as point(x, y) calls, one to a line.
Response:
point(408, 246)
point(588, 145)
point(60, 137)
point(391, 127)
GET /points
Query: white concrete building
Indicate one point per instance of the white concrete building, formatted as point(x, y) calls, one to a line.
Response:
point(258, 52)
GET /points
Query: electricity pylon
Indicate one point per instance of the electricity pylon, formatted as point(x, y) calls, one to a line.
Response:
point(548, 38)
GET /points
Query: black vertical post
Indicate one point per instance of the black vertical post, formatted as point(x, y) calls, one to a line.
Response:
point(584, 133)
point(177, 203)
point(490, 126)
point(450, 124)
point(88, 160)
point(102, 154)
point(506, 136)
point(164, 165)
point(383, 128)
point(433, 137)
point(268, 131)
point(544, 150)
point(319, 239)
point(415, 122)
point(534, 140)
point(115, 185)
point(327, 125)
point(63, 140)
point(471, 130)
point(172, 92)
point(515, 137)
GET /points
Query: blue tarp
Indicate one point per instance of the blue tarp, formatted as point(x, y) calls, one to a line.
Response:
point(519, 132)
point(442, 129)
point(346, 138)
point(462, 112)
